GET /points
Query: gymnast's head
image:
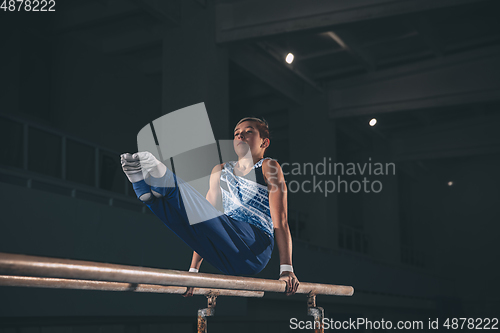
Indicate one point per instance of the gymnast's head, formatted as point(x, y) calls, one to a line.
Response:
point(251, 133)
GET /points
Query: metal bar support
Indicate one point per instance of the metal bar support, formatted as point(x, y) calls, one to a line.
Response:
point(206, 312)
point(317, 312)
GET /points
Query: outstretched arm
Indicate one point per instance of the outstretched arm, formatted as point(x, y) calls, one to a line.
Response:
point(278, 206)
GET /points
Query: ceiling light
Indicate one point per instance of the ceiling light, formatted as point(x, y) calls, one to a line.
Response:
point(373, 122)
point(289, 58)
point(450, 183)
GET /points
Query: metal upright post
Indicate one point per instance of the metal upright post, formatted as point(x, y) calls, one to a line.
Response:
point(317, 312)
point(206, 312)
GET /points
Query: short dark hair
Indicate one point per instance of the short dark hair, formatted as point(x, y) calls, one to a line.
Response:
point(262, 126)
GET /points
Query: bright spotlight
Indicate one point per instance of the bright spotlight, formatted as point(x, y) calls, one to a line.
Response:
point(450, 183)
point(373, 122)
point(289, 58)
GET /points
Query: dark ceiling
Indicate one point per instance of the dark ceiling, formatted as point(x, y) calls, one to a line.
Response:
point(355, 49)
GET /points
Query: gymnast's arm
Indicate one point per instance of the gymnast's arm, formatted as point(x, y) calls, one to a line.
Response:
point(278, 206)
point(213, 196)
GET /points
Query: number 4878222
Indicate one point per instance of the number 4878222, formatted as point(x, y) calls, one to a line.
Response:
point(28, 5)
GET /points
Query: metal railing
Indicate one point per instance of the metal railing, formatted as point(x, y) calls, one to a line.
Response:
point(16, 167)
point(34, 137)
point(33, 271)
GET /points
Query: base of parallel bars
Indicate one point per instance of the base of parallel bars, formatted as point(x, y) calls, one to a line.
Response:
point(206, 312)
point(317, 312)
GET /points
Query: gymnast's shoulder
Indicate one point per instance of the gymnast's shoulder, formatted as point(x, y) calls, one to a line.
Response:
point(218, 168)
point(271, 169)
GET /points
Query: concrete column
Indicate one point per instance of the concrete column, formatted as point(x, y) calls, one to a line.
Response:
point(195, 69)
point(312, 139)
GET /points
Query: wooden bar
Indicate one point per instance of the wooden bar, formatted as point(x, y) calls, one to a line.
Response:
point(55, 283)
point(24, 265)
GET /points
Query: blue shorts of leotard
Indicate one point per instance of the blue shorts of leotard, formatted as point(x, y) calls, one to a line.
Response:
point(233, 247)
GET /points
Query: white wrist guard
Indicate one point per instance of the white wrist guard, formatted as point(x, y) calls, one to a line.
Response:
point(286, 268)
point(193, 270)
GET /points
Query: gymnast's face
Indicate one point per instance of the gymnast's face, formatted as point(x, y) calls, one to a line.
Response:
point(247, 136)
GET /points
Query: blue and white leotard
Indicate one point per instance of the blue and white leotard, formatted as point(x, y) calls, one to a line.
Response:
point(246, 199)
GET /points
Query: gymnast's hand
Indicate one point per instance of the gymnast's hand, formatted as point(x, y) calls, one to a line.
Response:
point(189, 292)
point(292, 283)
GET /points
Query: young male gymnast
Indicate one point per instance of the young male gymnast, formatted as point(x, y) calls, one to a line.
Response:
point(240, 241)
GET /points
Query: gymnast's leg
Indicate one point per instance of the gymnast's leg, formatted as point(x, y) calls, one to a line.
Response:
point(228, 245)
